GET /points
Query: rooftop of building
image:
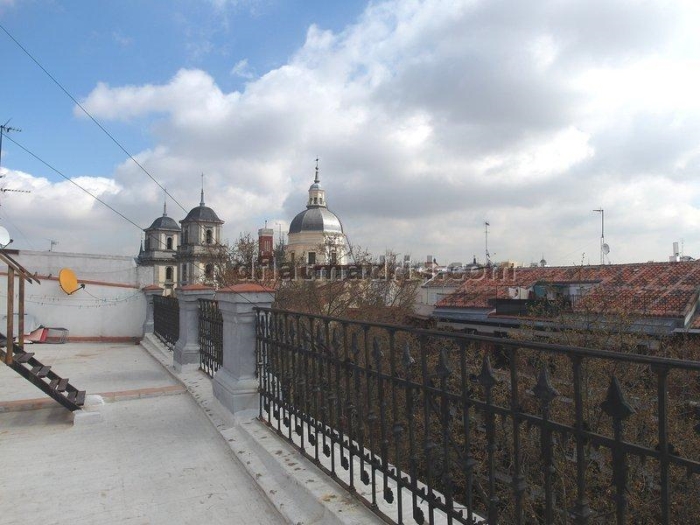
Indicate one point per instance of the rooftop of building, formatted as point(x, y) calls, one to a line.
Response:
point(649, 289)
point(163, 450)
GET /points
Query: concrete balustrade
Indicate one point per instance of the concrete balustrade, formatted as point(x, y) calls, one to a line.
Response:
point(150, 292)
point(186, 351)
point(235, 384)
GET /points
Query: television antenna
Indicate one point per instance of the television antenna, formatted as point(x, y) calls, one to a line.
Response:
point(486, 241)
point(604, 248)
point(4, 130)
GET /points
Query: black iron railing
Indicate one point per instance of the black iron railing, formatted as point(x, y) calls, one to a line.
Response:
point(448, 427)
point(211, 346)
point(166, 319)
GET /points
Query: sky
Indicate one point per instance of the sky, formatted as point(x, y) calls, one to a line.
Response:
point(429, 119)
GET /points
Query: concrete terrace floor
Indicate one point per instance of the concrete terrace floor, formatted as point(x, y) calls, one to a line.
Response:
point(155, 458)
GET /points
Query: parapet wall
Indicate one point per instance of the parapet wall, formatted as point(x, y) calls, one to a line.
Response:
point(110, 307)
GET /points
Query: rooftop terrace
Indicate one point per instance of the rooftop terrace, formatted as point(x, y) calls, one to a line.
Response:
point(160, 449)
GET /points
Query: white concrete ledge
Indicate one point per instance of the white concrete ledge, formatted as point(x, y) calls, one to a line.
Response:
point(296, 487)
point(301, 492)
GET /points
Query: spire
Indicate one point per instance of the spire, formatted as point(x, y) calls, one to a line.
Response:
point(201, 202)
point(317, 197)
point(165, 209)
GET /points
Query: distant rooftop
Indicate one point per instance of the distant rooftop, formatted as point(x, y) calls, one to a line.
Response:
point(648, 289)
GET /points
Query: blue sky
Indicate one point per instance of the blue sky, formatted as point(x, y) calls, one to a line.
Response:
point(430, 117)
point(134, 42)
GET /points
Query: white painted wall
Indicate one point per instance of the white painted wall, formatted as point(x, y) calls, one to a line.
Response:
point(112, 305)
point(316, 241)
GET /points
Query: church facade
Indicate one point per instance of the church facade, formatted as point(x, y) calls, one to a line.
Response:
point(186, 253)
point(316, 235)
point(200, 245)
point(191, 252)
point(159, 251)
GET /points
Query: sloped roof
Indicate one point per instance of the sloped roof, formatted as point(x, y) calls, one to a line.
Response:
point(164, 223)
point(202, 214)
point(649, 289)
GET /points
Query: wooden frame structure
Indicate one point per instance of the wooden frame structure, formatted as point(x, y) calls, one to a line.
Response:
point(14, 269)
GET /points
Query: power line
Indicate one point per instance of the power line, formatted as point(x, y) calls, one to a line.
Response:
point(73, 182)
point(90, 116)
point(97, 123)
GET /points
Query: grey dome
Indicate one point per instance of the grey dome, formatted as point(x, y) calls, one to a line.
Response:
point(316, 218)
point(164, 223)
point(202, 214)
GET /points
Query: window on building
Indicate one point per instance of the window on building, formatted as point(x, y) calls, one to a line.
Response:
point(334, 258)
point(169, 273)
point(184, 236)
point(291, 257)
point(184, 273)
point(312, 258)
point(169, 243)
point(315, 200)
point(209, 271)
point(209, 237)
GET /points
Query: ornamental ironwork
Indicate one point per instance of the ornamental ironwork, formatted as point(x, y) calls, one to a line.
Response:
point(166, 319)
point(211, 345)
point(455, 428)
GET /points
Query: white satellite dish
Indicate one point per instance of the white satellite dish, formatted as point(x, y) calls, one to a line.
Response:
point(4, 237)
point(606, 249)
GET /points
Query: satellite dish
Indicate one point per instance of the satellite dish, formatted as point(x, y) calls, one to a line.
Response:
point(68, 281)
point(606, 249)
point(4, 237)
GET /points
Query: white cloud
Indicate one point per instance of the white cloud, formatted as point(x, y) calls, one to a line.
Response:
point(429, 117)
point(121, 40)
point(242, 69)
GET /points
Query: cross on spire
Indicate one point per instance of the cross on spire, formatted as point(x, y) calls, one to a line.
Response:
point(316, 180)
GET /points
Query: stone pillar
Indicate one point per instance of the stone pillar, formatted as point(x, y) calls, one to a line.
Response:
point(235, 385)
point(150, 292)
point(186, 351)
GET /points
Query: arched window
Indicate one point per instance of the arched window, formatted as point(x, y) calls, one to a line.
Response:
point(184, 273)
point(169, 243)
point(209, 271)
point(210, 237)
point(169, 273)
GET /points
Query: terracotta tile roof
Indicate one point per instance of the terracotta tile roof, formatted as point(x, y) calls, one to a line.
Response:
point(246, 288)
point(442, 282)
point(650, 289)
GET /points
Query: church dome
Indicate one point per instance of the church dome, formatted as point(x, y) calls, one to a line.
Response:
point(316, 219)
point(202, 213)
point(164, 223)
